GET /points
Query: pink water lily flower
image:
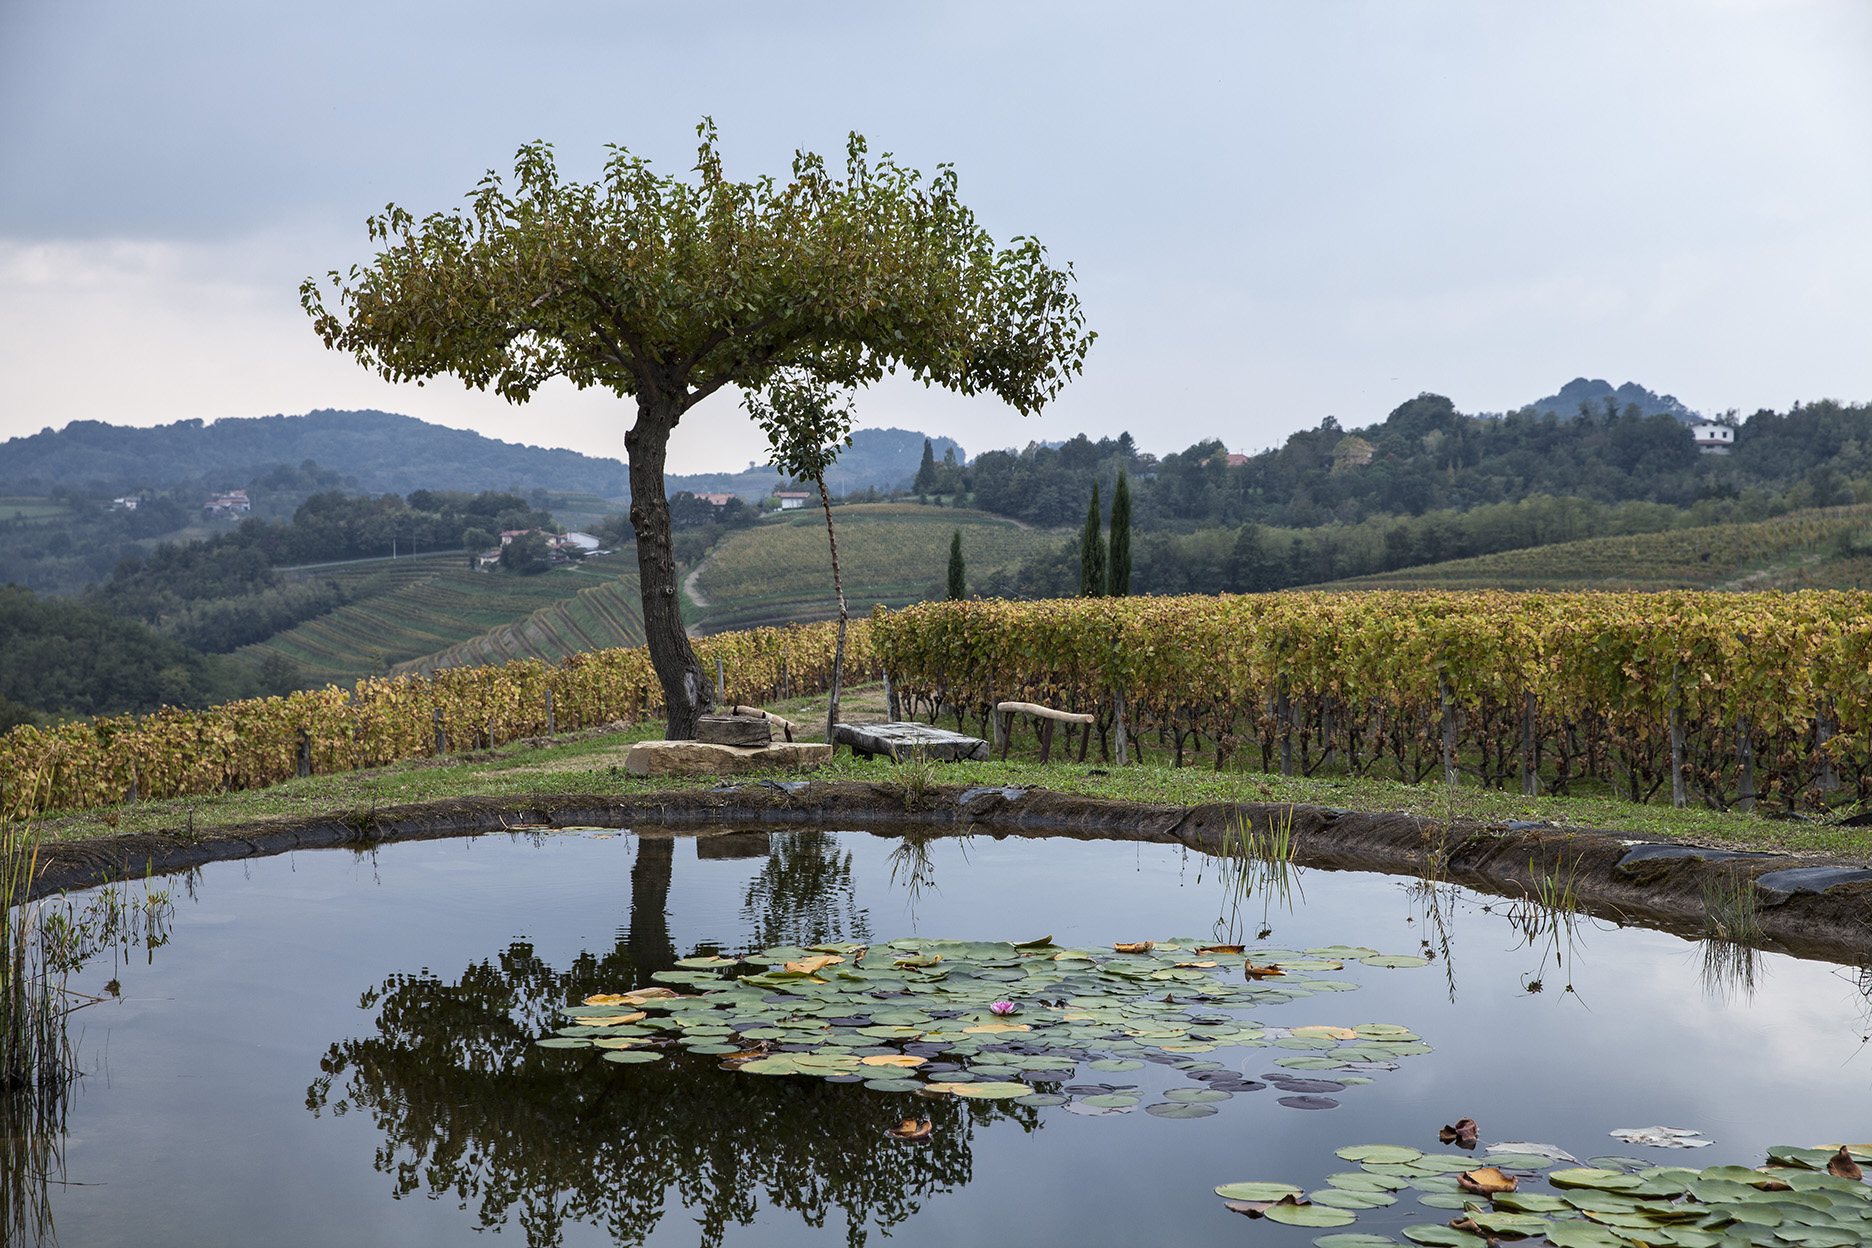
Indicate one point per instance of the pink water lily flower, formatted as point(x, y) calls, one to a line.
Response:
point(1004, 1008)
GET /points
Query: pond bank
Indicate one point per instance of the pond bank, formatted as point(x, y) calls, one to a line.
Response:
point(1807, 904)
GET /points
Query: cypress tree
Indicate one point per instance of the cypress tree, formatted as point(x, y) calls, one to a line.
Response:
point(925, 482)
point(1118, 570)
point(958, 575)
point(1092, 553)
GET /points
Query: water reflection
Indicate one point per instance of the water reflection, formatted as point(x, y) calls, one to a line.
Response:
point(1729, 969)
point(804, 894)
point(471, 1111)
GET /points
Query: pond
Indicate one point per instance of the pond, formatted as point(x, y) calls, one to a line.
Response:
point(333, 1047)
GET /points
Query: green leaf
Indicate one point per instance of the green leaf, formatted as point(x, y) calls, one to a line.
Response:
point(1345, 1198)
point(1578, 1233)
point(1348, 1239)
point(1437, 1235)
point(632, 1056)
point(1384, 1154)
point(1310, 1215)
point(1256, 1191)
point(1178, 1109)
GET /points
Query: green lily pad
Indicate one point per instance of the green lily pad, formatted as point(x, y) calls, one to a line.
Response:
point(1445, 1163)
point(1349, 1239)
point(1042, 1099)
point(1198, 1096)
point(1308, 1063)
point(992, 1091)
point(1818, 1236)
point(1346, 1198)
point(1432, 1182)
point(1384, 1154)
point(1394, 960)
point(1444, 1200)
point(1116, 1064)
point(714, 1050)
point(1516, 1161)
point(1599, 1179)
point(1309, 1215)
point(1578, 1233)
point(1110, 1100)
point(1531, 1202)
point(1436, 1235)
point(563, 1042)
point(1364, 1181)
point(1179, 1109)
point(1513, 1224)
point(1256, 1191)
point(696, 964)
point(632, 1056)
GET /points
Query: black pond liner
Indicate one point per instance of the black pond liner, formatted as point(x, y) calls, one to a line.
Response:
point(1309, 1102)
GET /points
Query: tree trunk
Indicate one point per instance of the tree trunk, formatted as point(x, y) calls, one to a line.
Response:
point(687, 691)
point(838, 655)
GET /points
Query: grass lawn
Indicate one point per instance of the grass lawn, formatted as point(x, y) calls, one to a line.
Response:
point(595, 765)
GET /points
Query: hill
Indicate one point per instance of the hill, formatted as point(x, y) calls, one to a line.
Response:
point(1594, 396)
point(878, 459)
point(890, 553)
point(1828, 548)
point(596, 618)
point(422, 617)
point(375, 451)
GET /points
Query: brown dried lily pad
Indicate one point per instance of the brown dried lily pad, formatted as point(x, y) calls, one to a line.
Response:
point(1462, 1133)
point(1486, 1181)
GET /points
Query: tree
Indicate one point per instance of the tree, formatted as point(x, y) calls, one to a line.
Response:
point(807, 427)
point(958, 574)
point(664, 291)
point(1118, 570)
point(1092, 553)
point(527, 554)
point(925, 481)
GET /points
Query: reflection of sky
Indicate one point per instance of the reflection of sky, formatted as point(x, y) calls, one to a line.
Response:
point(193, 1126)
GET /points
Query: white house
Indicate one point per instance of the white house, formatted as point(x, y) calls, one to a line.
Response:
point(1712, 438)
point(790, 500)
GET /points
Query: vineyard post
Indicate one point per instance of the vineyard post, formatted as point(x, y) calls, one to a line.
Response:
point(305, 754)
point(549, 713)
point(1745, 759)
point(1823, 732)
point(1529, 779)
point(441, 737)
point(1676, 743)
point(721, 681)
point(1449, 731)
point(1283, 709)
point(1118, 724)
point(890, 700)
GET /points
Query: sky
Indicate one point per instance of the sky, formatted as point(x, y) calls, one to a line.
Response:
point(1276, 212)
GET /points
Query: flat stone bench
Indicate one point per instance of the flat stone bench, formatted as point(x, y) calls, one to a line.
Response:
point(903, 740)
point(701, 758)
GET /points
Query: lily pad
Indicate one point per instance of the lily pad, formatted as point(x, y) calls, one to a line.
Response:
point(1197, 1096)
point(1437, 1235)
point(1577, 1233)
point(1444, 1200)
point(1041, 1100)
point(563, 1042)
point(1110, 1100)
point(1394, 960)
point(1256, 1191)
point(1178, 1109)
point(1347, 1239)
point(632, 1056)
point(1387, 1154)
point(1599, 1179)
point(1309, 1215)
point(985, 1091)
point(1346, 1198)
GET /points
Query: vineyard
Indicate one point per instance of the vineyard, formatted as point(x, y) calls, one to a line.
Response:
point(1789, 552)
point(600, 617)
point(445, 608)
point(890, 553)
point(262, 741)
point(1724, 699)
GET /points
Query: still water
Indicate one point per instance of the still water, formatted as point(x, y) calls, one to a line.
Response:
point(335, 1048)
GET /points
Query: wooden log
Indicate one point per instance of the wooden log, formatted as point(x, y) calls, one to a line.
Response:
point(742, 730)
point(1046, 712)
point(786, 726)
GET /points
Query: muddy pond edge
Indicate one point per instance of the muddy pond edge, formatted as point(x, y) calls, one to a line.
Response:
point(1510, 860)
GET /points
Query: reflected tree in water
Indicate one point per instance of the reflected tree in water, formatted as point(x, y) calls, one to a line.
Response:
point(804, 894)
point(472, 1112)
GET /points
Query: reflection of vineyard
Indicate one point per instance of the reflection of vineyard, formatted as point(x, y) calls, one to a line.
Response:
point(473, 1112)
point(890, 553)
point(456, 606)
point(1791, 552)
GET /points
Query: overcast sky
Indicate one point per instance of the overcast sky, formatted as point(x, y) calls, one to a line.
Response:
point(1277, 211)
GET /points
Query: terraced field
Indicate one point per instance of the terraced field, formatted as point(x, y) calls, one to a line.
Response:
point(1800, 550)
point(891, 553)
point(432, 614)
point(598, 617)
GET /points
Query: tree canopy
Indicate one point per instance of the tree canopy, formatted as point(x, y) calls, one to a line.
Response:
point(665, 290)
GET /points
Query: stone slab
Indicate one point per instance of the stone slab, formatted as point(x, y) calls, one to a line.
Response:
point(901, 740)
point(733, 730)
point(699, 758)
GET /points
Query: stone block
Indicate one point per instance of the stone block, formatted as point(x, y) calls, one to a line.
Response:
point(906, 740)
point(699, 758)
